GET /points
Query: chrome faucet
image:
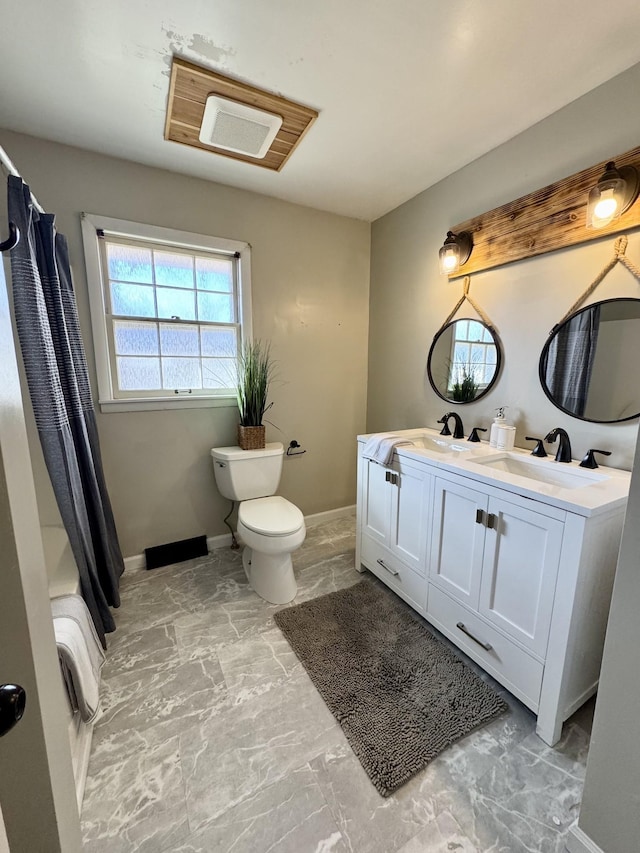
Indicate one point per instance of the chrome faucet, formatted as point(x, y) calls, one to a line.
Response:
point(564, 445)
point(458, 430)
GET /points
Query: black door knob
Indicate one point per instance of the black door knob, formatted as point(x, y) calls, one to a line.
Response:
point(12, 702)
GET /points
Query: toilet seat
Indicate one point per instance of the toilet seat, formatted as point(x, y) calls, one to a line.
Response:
point(272, 516)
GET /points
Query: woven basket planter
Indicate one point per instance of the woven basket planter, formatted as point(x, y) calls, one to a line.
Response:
point(251, 437)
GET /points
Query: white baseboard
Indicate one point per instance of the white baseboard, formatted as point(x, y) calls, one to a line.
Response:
point(83, 752)
point(221, 541)
point(329, 515)
point(132, 564)
point(579, 842)
point(579, 702)
point(137, 561)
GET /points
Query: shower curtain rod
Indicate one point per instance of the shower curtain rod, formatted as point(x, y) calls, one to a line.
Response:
point(6, 162)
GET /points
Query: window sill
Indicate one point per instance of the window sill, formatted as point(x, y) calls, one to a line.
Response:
point(150, 404)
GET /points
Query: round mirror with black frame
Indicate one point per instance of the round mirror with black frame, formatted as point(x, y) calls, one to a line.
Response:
point(589, 365)
point(464, 361)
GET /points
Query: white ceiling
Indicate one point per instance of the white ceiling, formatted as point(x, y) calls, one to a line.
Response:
point(408, 90)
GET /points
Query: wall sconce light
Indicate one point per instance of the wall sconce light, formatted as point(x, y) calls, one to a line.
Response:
point(614, 193)
point(455, 251)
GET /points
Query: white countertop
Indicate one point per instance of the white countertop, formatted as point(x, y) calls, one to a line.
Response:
point(597, 496)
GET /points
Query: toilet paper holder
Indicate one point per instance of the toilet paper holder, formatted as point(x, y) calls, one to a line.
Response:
point(291, 450)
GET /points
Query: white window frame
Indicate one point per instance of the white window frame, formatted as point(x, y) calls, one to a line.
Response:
point(482, 343)
point(93, 223)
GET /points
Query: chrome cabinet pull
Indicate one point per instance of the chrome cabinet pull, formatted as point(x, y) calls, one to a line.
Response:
point(394, 479)
point(391, 571)
point(486, 646)
point(492, 521)
point(479, 516)
point(387, 476)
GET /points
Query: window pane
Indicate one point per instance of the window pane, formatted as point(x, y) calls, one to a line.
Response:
point(181, 373)
point(475, 330)
point(477, 371)
point(487, 336)
point(129, 263)
point(489, 372)
point(132, 300)
point(461, 354)
point(219, 342)
point(215, 307)
point(176, 303)
point(179, 340)
point(477, 354)
point(138, 374)
point(218, 373)
point(135, 338)
point(491, 356)
point(173, 270)
point(462, 327)
point(214, 274)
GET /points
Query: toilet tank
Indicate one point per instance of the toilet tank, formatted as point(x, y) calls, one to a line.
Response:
point(245, 474)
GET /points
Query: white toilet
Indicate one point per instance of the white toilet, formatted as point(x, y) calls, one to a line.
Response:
point(271, 527)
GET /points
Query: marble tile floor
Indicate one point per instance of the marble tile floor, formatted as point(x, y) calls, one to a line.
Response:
point(213, 738)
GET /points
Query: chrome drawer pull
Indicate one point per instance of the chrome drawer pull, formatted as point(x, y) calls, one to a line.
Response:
point(391, 571)
point(479, 516)
point(492, 521)
point(486, 646)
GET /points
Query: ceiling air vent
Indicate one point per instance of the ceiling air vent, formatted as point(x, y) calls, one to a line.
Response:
point(237, 127)
point(228, 117)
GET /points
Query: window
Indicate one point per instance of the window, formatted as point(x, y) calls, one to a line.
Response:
point(473, 354)
point(170, 311)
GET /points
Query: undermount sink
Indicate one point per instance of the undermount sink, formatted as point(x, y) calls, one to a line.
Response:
point(543, 472)
point(438, 445)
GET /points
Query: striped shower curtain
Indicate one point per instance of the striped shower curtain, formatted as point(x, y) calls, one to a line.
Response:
point(53, 354)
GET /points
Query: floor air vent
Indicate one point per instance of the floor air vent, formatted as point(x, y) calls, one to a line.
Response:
point(176, 552)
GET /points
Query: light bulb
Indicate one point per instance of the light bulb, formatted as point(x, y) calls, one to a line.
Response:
point(606, 207)
point(614, 193)
point(450, 260)
point(454, 252)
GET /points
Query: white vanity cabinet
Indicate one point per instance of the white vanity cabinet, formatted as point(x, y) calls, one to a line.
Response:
point(394, 522)
point(519, 582)
point(498, 557)
point(493, 568)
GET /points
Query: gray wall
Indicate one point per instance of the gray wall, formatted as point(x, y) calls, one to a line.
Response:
point(610, 812)
point(310, 274)
point(410, 300)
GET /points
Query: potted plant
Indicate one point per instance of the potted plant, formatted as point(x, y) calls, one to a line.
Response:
point(465, 387)
point(255, 372)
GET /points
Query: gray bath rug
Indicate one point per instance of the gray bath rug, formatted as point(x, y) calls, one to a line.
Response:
point(400, 695)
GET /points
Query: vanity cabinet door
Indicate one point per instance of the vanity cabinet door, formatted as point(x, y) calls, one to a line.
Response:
point(520, 567)
point(396, 511)
point(410, 517)
point(376, 502)
point(457, 540)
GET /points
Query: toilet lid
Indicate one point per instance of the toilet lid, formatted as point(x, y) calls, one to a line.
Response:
point(273, 516)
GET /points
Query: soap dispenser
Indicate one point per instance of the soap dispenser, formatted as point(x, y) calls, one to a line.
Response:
point(498, 421)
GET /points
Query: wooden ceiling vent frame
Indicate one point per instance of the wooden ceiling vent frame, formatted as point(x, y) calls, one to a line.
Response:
point(554, 217)
point(189, 89)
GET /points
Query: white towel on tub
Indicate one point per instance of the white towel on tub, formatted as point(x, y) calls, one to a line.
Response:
point(80, 654)
point(381, 445)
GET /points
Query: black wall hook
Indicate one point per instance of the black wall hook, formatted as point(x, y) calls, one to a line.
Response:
point(291, 450)
point(12, 240)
